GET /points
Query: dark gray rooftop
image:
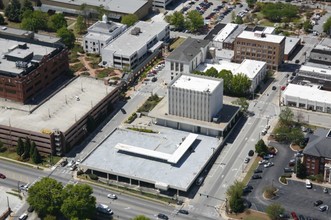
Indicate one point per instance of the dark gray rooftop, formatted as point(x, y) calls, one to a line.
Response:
point(319, 144)
point(187, 50)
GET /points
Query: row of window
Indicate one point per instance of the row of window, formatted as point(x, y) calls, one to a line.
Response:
point(255, 45)
point(177, 66)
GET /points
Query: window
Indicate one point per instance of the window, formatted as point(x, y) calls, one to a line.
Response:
point(172, 66)
point(177, 66)
point(181, 67)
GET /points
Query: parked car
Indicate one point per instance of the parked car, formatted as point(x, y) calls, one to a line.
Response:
point(30, 209)
point(24, 187)
point(112, 196)
point(2, 176)
point(246, 190)
point(258, 171)
point(154, 79)
point(162, 216)
point(325, 190)
point(254, 177)
point(183, 211)
point(247, 159)
point(23, 216)
point(263, 162)
point(249, 187)
point(63, 163)
point(323, 208)
point(294, 216)
point(288, 170)
point(318, 202)
point(270, 164)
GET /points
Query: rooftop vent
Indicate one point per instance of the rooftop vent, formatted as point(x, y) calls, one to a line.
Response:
point(135, 31)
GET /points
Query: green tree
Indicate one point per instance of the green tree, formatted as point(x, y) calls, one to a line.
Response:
point(2, 6)
point(211, 72)
point(33, 146)
point(78, 202)
point(177, 19)
point(20, 147)
point(286, 116)
point(129, 19)
point(296, 135)
point(300, 168)
point(234, 192)
point(327, 26)
point(261, 148)
point(13, 10)
point(238, 20)
point(307, 26)
point(240, 85)
point(56, 21)
point(27, 6)
point(34, 20)
point(227, 76)
point(27, 146)
point(141, 217)
point(46, 196)
point(67, 37)
point(242, 102)
point(194, 21)
point(2, 20)
point(36, 158)
point(80, 25)
point(38, 3)
point(233, 16)
point(277, 12)
point(274, 210)
point(251, 3)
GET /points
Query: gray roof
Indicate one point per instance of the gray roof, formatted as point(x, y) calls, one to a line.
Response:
point(187, 50)
point(319, 144)
point(290, 44)
point(102, 27)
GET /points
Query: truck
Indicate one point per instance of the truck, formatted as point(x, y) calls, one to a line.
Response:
point(102, 208)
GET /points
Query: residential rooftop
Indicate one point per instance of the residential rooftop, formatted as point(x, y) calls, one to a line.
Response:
point(196, 83)
point(127, 43)
point(120, 6)
point(319, 143)
point(260, 36)
point(181, 175)
point(60, 111)
point(189, 49)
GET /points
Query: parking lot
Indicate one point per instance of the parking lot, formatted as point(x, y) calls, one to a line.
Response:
point(294, 197)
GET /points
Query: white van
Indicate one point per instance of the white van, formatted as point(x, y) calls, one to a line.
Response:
point(308, 184)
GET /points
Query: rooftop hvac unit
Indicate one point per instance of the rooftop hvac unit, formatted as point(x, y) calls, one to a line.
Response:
point(135, 31)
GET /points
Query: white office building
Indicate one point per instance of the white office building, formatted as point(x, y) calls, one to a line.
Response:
point(223, 35)
point(195, 97)
point(309, 97)
point(161, 3)
point(255, 70)
point(186, 57)
point(133, 46)
point(100, 34)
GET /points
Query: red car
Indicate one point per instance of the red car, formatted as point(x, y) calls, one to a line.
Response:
point(2, 176)
point(294, 216)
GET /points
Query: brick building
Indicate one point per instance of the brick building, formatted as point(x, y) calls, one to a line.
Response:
point(27, 66)
point(260, 46)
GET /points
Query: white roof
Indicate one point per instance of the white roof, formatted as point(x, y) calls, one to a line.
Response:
point(171, 158)
point(199, 84)
point(254, 36)
point(305, 68)
point(308, 93)
point(127, 44)
point(98, 36)
point(269, 30)
point(248, 67)
point(290, 43)
point(225, 32)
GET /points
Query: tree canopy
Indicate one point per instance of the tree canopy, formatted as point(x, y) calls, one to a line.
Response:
point(177, 19)
point(80, 25)
point(251, 3)
point(235, 192)
point(129, 19)
point(286, 115)
point(279, 12)
point(261, 148)
point(48, 197)
point(327, 26)
point(13, 11)
point(141, 217)
point(274, 210)
point(67, 37)
point(194, 21)
point(34, 20)
point(56, 21)
point(242, 102)
point(301, 171)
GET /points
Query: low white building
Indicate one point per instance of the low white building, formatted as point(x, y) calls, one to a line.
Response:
point(100, 34)
point(161, 3)
point(255, 70)
point(195, 97)
point(133, 46)
point(309, 97)
point(186, 57)
point(315, 72)
point(223, 35)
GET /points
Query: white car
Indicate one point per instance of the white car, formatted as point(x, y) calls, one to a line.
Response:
point(270, 164)
point(112, 196)
point(263, 162)
point(24, 187)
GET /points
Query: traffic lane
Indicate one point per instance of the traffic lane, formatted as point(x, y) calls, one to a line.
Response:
point(296, 197)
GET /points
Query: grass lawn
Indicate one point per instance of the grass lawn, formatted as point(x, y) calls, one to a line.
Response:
point(251, 170)
point(250, 215)
point(13, 25)
point(259, 15)
point(266, 22)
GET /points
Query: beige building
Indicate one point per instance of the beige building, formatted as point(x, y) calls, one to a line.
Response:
point(260, 46)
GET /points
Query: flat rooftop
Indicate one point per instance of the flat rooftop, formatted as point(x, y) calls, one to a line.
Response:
point(99, 36)
point(104, 27)
point(60, 111)
point(10, 47)
point(196, 83)
point(127, 44)
point(290, 43)
point(107, 158)
point(120, 6)
point(225, 32)
point(248, 67)
point(312, 94)
point(268, 37)
point(312, 69)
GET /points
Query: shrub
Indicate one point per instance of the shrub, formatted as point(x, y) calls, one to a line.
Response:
point(283, 179)
point(80, 172)
point(93, 176)
point(131, 118)
point(269, 192)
